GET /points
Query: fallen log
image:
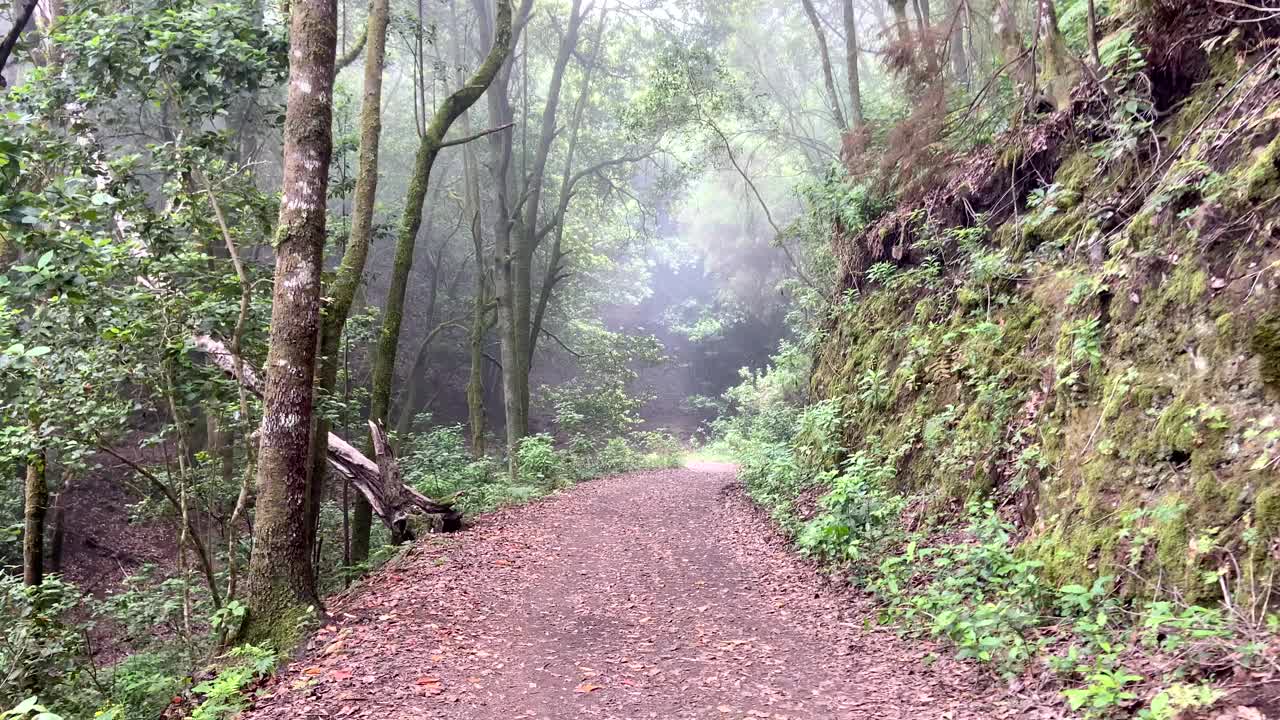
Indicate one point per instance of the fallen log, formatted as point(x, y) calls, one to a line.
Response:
point(379, 482)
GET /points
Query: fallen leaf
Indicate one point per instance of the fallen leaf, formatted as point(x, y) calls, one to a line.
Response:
point(586, 688)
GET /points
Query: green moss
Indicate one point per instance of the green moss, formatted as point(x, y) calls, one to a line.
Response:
point(1173, 539)
point(1266, 516)
point(1262, 178)
point(1176, 430)
point(1012, 156)
point(1076, 551)
point(1062, 226)
point(1141, 230)
point(1074, 176)
point(1265, 343)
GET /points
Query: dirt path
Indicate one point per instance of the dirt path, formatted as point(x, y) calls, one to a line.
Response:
point(648, 595)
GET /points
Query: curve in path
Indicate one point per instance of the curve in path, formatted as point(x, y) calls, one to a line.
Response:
point(646, 595)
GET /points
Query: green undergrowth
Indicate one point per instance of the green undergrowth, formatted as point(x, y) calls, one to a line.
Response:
point(1050, 436)
point(971, 585)
point(439, 464)
point(48, 634)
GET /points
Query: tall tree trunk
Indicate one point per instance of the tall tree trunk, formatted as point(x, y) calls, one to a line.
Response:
point(851, 61)
point(1011, 46)
point(555, 262)
point(280, 584)
point(959, 21)
point(429, 147)
point(480, 313)
point(529, 236)
point(901, 25)
point(1059, 71)
point(35, 505)
point(501, 113)
point(828, 77)
point(342, 292)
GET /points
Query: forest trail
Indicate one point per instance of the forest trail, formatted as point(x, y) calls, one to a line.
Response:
point(646, 595)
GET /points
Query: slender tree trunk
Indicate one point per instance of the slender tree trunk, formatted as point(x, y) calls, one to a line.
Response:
point(57, 538)
point(1011, 45)
point(36, 503)
point(828, 77)
point(529, 236)
point(480, 303)
point(429, 147)
point(851, 52)
point(555, 272)
point(959, 22)
point(501, 113)
point(342, 292)
point(901, 25)
point(280, 584)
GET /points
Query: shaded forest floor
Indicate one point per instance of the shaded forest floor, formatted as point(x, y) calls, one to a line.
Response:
point(647, 595)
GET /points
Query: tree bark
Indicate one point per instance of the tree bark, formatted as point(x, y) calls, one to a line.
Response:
point(342, 291)
point(1011, 45)
point(280, 584)
point(901, 24)
point(432, 141)
point(555, 262)
point(828, 77)
point(851, 61)
point(366, 475)
point(959, 22)
point(1059, 75)
point(25, 11)
point(528, 239)
point(501, 113)
point(35, 505)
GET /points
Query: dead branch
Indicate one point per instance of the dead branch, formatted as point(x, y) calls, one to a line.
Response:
point(392, 501)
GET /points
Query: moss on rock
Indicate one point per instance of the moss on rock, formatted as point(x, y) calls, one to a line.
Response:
point(1265, 344)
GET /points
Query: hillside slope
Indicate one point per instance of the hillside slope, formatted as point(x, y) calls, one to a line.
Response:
point(1081, 322)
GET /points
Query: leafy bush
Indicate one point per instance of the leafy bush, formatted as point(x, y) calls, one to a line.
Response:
point(538, 461)
point(42, 646)
point(860, 521)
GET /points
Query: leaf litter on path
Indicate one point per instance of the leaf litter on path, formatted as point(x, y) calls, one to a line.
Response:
point(649, 596)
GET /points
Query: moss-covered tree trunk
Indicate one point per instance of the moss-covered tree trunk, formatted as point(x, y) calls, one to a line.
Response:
point(342, 291)
point(280, 584)
point(35, 506)
point(429, 147)
point(480, 312)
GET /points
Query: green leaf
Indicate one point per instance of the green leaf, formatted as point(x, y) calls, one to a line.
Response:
point(101, 198)
point(44, 260)
point(38, 351)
